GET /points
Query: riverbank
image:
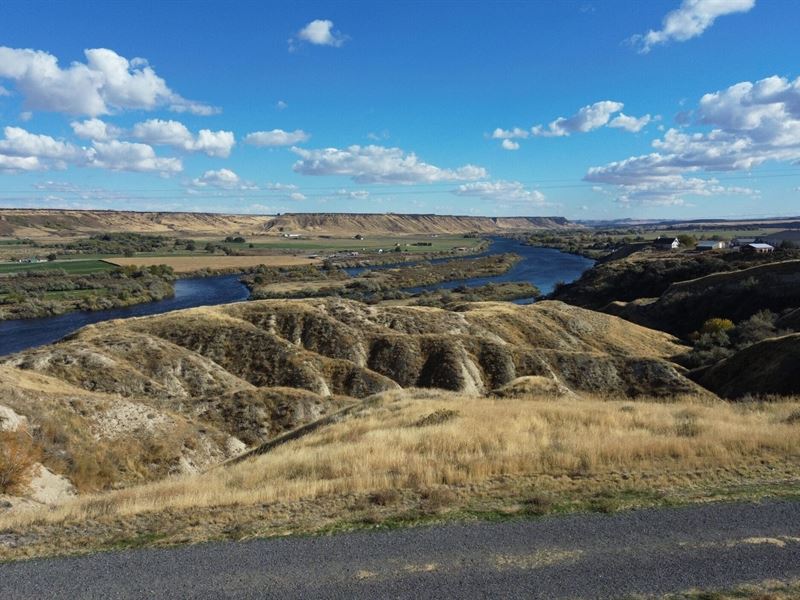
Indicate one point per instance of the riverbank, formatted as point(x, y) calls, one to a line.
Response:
point(31, 295)
point(390, 283)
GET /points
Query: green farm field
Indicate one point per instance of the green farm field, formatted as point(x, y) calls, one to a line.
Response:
point(76, 267)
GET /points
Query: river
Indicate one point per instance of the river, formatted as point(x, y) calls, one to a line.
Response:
point(543, 267)
point(20, 334)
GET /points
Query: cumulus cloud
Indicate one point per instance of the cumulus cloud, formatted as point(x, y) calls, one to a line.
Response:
point(177, 135)
point(318, 32)
point(128, 156)
point(95, 129)
point(632, 124)
point(21, 150)
point(507, 192)
point(378, 164)
point(105, 83)
point(281, 105)
point(750, 124)
point(223, 179)
point(277, 137)
point(688, 21)
point(22, 144)
point(586, 119)
point(16, 164)
point(590, 117)
point(508, 134)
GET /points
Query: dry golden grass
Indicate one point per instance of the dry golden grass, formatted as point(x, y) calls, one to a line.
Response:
point(184, 264)
point(384, 447)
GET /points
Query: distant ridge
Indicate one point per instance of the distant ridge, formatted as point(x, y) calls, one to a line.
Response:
point(24, 222)
point(345, 223)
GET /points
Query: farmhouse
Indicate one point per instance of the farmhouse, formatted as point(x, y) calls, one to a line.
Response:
point(666, 243)
point(758, 248)
point(704, 245)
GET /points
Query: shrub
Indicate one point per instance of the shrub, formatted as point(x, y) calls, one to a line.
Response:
point(18, 454)
point(716, 325)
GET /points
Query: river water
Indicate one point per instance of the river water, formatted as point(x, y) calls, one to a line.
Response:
point(20, 334)
point(543, 267)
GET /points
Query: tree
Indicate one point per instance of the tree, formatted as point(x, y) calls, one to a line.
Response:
point(51, 257)
point(687, 240)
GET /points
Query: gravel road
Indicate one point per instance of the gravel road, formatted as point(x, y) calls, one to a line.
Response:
point(582, 556)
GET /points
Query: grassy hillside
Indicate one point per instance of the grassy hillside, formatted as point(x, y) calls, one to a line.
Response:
point(188, 386)
point(735, 295)
point(648, 274)
point(419, 456)
point(271, 417)
point(769, 367)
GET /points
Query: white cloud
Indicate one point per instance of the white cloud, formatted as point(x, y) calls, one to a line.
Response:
point(22, 150)
point(320, 33)
point(690, 20)
point(586, 119)
point(281, 186)
point(21, 143)
point(297, 196)
point(353, 194)
point(378, 164)
point(128, 156)
point(105, 83)
point(509, 192)
point(750, 124)
point(510, 144)
point(15, 164)
point(176, 134)
point(4, 91)
point(507, 134)
point(95, 129)
point(224, 179)
point(632, 124)
point(281, 105)
point(277, 137)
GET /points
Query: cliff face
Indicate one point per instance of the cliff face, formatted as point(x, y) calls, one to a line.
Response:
point(348, 224)
point(41, 223)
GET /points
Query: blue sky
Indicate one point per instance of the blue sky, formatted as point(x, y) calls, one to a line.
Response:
point(586, 109)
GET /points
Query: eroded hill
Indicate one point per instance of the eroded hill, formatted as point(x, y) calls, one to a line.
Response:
point(134, 400)
point(336, 347)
